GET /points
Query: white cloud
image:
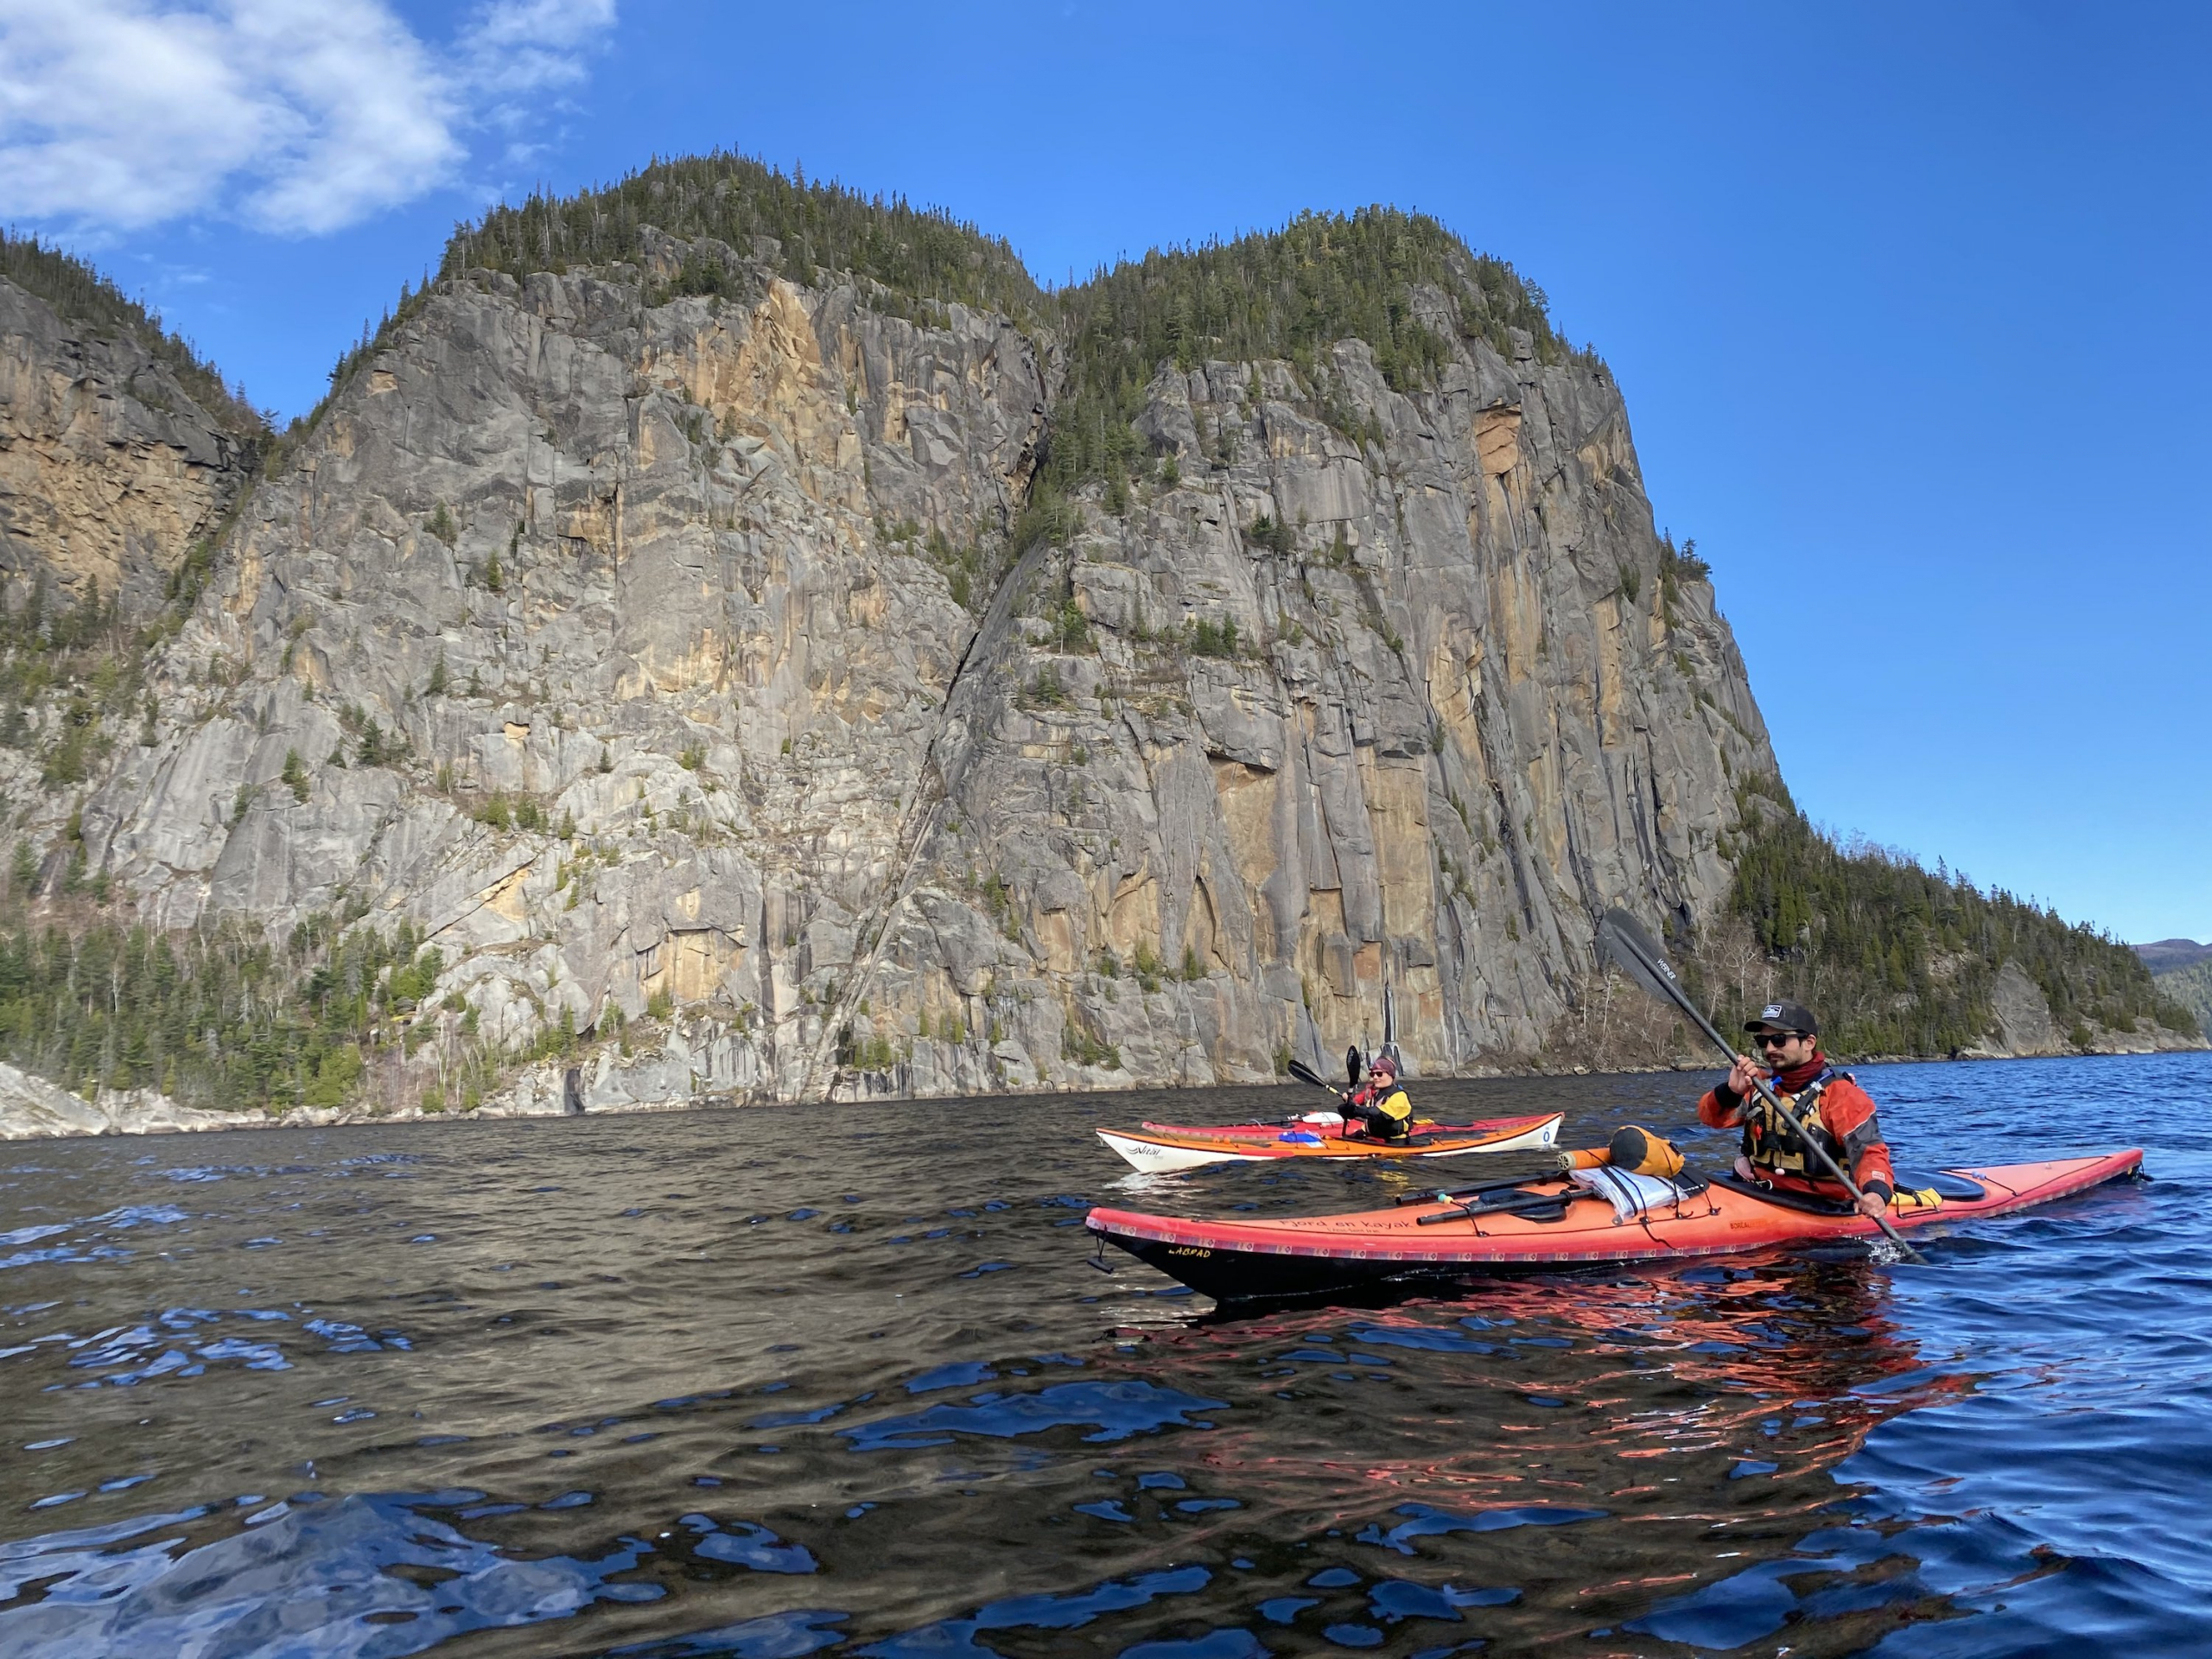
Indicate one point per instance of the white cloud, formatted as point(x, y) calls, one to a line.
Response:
point(296, 116)
point(527, 46)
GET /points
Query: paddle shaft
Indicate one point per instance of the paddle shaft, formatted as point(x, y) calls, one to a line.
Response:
point(1681, 1001)
point(1305, 1073)
point(1456, 1194)
point(1533, 1201)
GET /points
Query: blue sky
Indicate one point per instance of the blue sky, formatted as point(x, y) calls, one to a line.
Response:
point(1907, 301)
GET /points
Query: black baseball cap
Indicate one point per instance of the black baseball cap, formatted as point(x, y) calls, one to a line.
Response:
point(1785, 1016)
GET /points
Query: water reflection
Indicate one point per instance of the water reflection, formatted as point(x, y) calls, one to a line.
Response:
point(652, 1386)
point(362, 1574)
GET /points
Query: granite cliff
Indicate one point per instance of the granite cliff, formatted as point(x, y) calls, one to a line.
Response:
point(707, 672)
point(2191, 987)
point(2170, 956)
point(116, 458)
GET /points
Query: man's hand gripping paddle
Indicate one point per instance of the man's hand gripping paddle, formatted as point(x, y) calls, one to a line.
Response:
point(1625, 941)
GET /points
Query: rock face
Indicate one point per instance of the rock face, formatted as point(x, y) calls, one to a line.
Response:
point(671, 662)
point(1466, 717)
point(109, 469)
point(2023, 1022)
point(2170, 956)
point(2191, 987)
point(33, 1109)
point(2023, 1027)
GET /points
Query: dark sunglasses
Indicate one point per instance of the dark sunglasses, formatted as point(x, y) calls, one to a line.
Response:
point(1776, 1038)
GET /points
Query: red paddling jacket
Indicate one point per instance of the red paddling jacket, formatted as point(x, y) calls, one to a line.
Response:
point(1834, 1110)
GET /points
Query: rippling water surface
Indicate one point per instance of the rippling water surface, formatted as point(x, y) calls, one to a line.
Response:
point(783, 1382)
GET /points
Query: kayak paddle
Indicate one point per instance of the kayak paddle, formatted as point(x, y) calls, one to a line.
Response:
point(1627, 942)
point(1305, 1073)
point(1529, 1204)
point(1455, 1194)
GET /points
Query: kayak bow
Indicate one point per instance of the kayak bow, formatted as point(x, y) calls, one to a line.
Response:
point(1317, 1256)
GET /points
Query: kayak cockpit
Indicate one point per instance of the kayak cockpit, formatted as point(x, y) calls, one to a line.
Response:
point(1948, 1186)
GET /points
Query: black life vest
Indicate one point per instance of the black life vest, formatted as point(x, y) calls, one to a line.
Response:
point(1386, 1112)
point(1770, 1143)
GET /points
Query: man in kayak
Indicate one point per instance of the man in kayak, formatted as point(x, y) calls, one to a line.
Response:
point(1830, 1104)
point(1379, 1105)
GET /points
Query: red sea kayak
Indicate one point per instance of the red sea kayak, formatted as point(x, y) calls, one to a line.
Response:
point(1157, 1148)
point(1547, 1224)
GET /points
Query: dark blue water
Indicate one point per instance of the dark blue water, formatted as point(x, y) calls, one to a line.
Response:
point(842, 1380)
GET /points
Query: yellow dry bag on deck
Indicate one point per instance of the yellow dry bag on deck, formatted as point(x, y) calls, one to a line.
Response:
point(1636, 1150)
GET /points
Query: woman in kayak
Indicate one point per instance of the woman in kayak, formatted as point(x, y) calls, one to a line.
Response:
point(1380, 1106)
point(1829, 1102)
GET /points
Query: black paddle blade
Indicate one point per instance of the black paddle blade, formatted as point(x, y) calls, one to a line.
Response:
point(1305, 1073)
point(1623, 940)
point(1352, 1067)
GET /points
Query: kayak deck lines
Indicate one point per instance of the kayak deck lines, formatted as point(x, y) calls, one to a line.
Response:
point(1238, 1260)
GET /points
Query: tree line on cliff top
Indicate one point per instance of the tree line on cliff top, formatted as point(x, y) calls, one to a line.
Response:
point(1288, 293)
point(82, 295)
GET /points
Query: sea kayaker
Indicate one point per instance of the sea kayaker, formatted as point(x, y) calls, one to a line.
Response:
point(1380, 1106)
point(1830, 1104)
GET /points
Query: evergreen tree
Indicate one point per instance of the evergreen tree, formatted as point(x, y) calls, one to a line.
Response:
point(1897, 960)
point(82, 295)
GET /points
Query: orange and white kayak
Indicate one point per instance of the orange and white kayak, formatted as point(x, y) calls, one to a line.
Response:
point(1552, 1224)
point(1159, 1148)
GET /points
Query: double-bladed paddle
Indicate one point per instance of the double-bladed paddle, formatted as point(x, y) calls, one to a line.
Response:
point(1628, 943)
point(1305, 1073)
point(1527, 1204)
point(1456, 1194)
